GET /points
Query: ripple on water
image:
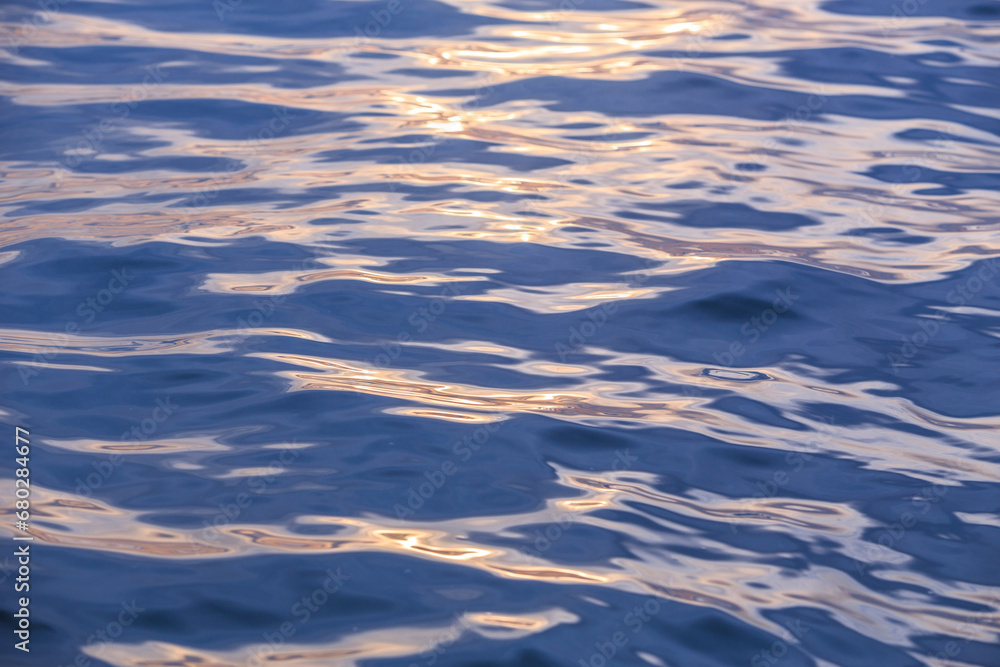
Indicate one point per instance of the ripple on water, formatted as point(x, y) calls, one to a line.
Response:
point(425, 332)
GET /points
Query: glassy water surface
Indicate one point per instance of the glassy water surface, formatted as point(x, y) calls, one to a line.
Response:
point(524, 332)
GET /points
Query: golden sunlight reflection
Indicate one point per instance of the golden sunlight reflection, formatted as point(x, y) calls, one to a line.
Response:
point(565, 298)
point(446, 415)
point(63, 367)
point(415, 165)
point(286, 282)
point(146, 446)
point(349, 649)
point(595, 402)
point(209, 342)
point(592, 399)
point(956, 237)
point(652, 566)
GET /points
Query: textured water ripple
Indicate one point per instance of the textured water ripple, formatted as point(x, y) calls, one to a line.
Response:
point(407, 332)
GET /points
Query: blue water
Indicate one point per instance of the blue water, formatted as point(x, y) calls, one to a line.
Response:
point(416, 333)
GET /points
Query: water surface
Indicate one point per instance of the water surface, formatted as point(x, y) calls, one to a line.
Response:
point(404, 333)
